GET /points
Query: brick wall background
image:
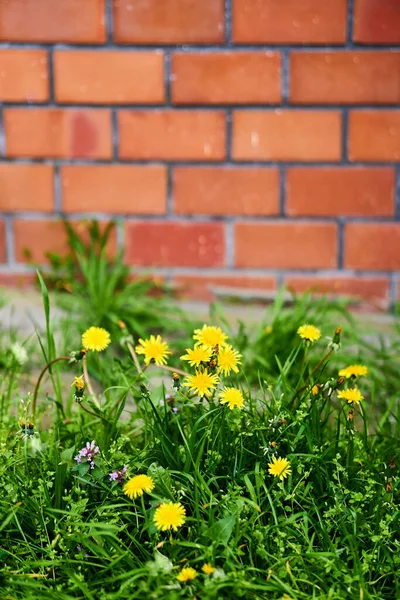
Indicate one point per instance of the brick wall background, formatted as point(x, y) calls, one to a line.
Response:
point(241, 142)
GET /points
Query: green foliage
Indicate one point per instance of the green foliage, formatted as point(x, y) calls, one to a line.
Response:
point(329, 530)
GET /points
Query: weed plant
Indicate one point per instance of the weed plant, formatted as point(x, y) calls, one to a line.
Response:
point(251, 470)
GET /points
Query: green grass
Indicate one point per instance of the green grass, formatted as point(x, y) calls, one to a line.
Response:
point(330, 530)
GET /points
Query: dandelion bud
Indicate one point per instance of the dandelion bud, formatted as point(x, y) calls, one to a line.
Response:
point(176, 381)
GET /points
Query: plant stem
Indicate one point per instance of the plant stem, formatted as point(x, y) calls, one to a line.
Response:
point(172, 370)
point(134, 357)
point(89, 383)
point(35, 393)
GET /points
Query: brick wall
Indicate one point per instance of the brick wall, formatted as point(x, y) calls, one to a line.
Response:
point(241, 142)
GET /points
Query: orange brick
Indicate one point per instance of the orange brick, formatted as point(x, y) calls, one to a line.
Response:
point(226, 190)
point(113, 76)
point(26, 187)
point(345, 77)
point(53, 21)
point(226, 78)
point(289, 21)
point(365, 288)
point(34, 239)
point(126, 189)
point(175, 244)
point(172, 135)
point(3, 253)
point(287, 135)
point(23, 75)
point(372, 246)
point(169, 21)
point(377, 21)
point(340, 191)
point(204, 287)
point(55, 132)
point(374, 135)
point(286, 245)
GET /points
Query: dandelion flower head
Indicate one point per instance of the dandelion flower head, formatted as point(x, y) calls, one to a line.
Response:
point(352, 395)
point(187, 574)
point(210, 336)
point(208, 569)
point(136, 486)
point(202, 383)
point(279, 467)
point(96, 339)
point(155, 349)
point(309, 333)
point(228, 360)
point(354, 371)
point(78, 383)
point(198, 355)
point(232, 397)
point(169, 515)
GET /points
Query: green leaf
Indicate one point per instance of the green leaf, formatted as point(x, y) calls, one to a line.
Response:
point(67, 454)
point(221, 530)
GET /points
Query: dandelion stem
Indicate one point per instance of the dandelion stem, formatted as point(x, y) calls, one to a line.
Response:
point(35, 393)
point(89, 383)
point(172, 370)
point(134, 357)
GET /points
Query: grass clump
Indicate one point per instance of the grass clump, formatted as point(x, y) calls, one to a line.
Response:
point(227, 469)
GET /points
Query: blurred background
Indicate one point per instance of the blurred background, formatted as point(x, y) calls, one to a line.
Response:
point(238, 145)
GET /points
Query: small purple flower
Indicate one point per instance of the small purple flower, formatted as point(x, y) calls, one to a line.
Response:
point(119, 476)
point(88, 454)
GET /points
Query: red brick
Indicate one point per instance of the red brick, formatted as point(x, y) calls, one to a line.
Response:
point(26, 187)
point(286, 245)
point(127, 189)
point(374, 135)
point(23, 75)
point(377, 21)
point(366, 288)
point(287, 135)
point(226, 190)
point(78, 21)
point(18, 280)
point(226, 78)
point(340, 191)
point(372, 246)
point(175, 244)
point(289, 21)
point(169, 21)
point(345, 77)
point(172, 135)
point(34, 239)
point(112, 76)
point(3, 253)
point(204, 287)
point(54, 132)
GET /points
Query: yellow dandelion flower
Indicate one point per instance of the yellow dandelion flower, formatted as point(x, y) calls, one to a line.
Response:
point(169, 515)
point(197, 355)
point(210, 336)
point(354, 371)
point(309, 333)
point(279, 467)
point(187, 574)
point(315, 390)
point(78, 383)
point(208, 569)
point(136, 486)
point(96, 339)
point(228, 360)
point(351, 395)
point(202, 383)
point(154, 349)
point(232, 397)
